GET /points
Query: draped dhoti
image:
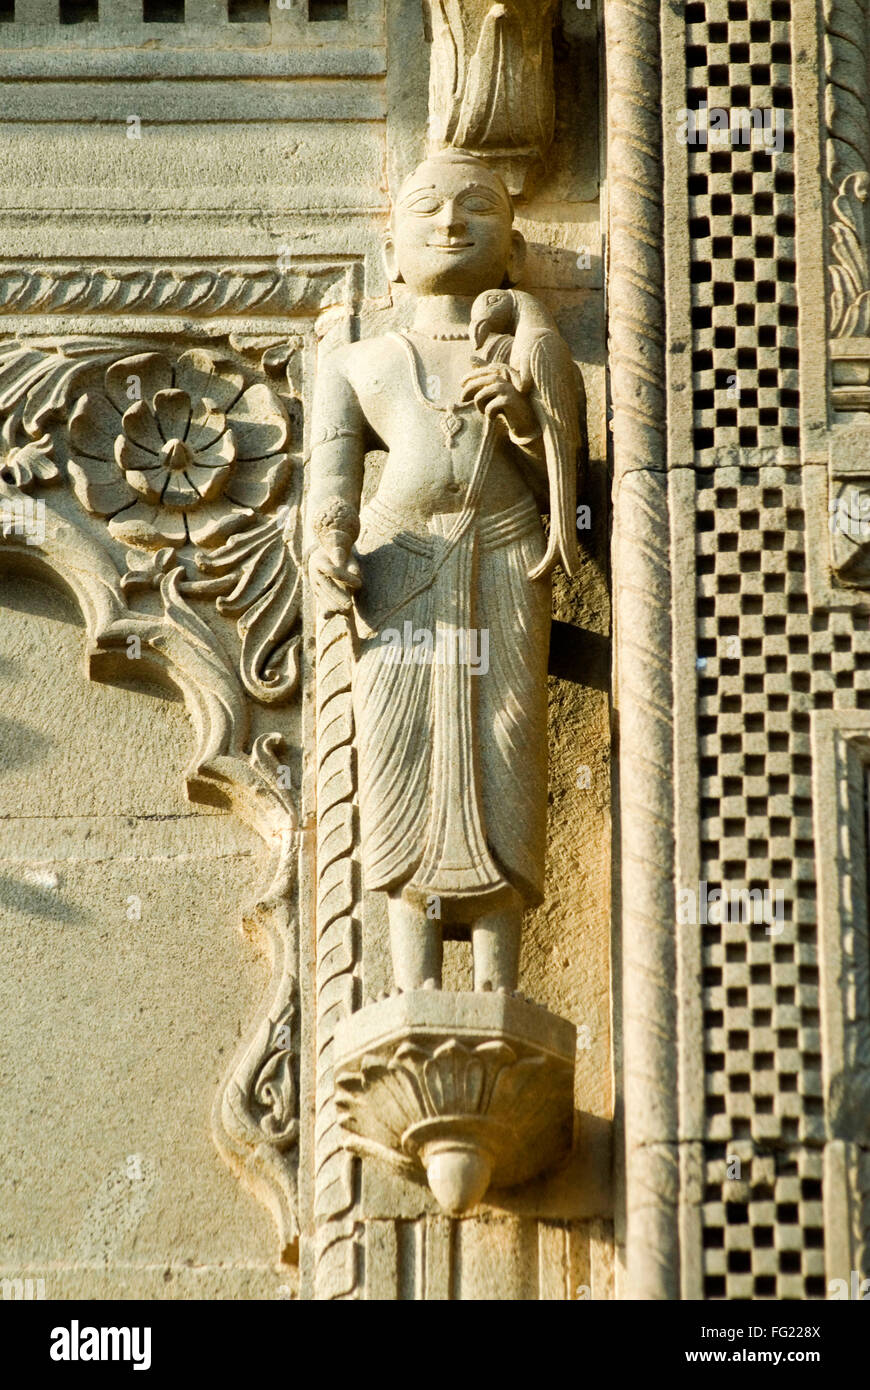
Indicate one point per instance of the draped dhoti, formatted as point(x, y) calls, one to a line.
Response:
point(450, 706)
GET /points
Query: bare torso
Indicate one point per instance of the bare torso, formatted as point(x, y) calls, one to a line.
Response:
point(408, 404)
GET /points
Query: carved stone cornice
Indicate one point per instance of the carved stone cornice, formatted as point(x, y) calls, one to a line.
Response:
point(850, 373)
point(264, 290)
point(491, 82)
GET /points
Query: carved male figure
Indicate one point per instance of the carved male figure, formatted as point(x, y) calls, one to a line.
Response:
point(477, 408)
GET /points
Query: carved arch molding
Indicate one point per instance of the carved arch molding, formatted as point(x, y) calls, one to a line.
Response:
point(156, 477)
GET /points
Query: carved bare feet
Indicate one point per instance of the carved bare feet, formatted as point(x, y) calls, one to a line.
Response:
point(417, 946)
point(495, 946)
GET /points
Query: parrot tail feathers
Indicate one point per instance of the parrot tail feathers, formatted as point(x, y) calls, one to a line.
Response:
point(557, 552)
point(543, 567)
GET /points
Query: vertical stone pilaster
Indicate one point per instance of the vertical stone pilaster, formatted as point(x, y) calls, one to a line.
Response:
point(643, 642)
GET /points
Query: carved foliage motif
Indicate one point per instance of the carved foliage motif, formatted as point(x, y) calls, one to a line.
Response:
point(254, 1124)
point(850, 277)
point(847, 119)
point(255, 583)
point(491, 80)
point(256, 1113)
point(182, 456)
point(849, 525)
point(185, 458)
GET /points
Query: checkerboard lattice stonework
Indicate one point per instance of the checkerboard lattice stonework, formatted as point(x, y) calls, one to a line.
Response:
point(741, 201)
point(766, 1240)
point(765, 661)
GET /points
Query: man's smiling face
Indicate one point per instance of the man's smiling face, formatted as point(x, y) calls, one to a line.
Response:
point(452, 229)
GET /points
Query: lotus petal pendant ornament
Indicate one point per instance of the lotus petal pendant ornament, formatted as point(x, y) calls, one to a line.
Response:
point(465, 1090)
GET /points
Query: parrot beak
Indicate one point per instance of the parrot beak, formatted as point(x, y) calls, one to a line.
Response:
point(478, 333)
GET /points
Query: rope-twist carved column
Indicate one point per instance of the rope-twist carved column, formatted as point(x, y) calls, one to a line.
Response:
point(338, 1245)
point(847, 154)
point(643, 644)
point(846, 91)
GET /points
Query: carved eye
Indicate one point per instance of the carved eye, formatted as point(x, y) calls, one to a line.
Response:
point(493, 299)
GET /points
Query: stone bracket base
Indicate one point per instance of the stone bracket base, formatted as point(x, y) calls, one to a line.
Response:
point(465, 1090)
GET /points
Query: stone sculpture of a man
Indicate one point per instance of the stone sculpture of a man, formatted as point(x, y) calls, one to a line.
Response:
point(477, 407)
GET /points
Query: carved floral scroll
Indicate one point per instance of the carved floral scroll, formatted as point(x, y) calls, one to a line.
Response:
point(183, 457)
point(183, 454)
point(847, 118)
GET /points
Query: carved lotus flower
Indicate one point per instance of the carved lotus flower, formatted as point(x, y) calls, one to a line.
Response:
point(177, 451)
point(471, 1090)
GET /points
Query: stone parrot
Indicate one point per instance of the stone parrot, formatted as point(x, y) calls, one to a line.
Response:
point(540, 365)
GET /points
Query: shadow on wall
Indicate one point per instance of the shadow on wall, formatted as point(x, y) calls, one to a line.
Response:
point(20, 743)
point(579, 652)
point(40, 901)
point(580, 656)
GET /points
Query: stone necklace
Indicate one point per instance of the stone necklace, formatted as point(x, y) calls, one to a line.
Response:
point(450, 424)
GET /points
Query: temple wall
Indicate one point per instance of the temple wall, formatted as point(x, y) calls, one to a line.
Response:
point(197, 196)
